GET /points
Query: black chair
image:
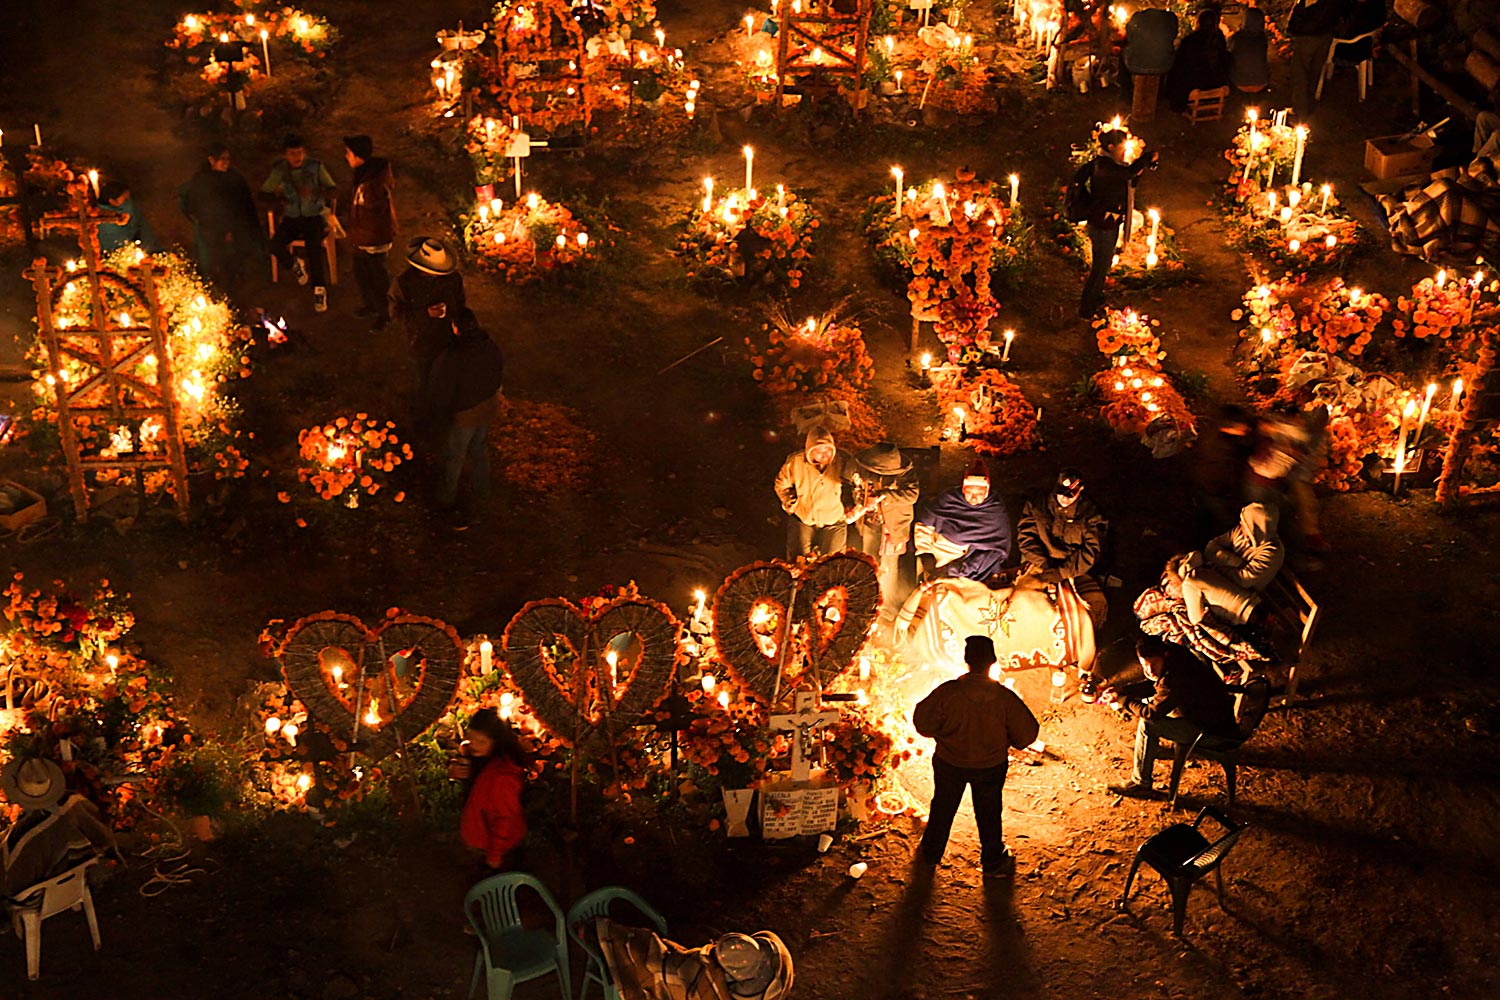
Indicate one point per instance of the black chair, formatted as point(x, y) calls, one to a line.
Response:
point(1181, 855)
point(1252, 699)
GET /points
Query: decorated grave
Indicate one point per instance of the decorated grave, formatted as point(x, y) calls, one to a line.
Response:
point(1136, 397)
point(744, 235)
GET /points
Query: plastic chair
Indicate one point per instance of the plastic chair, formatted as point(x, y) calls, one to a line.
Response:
point(1362, 59)
point(510, 952)
point(330, 247)
point(581, 916)
point(1252, 699)
point(1206, 105)
point(68, 891)
point(1181, 855)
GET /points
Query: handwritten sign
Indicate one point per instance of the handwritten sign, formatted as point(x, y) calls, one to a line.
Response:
point(798, 812)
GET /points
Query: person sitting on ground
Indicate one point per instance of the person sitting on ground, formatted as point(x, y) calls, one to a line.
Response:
point(1201, 63)
point(1228, 576)
point(965, 532)
point(56, 830)
point(976, 721)
point(493, 770)
point(810, 487)
point(1061, 535)
point(119, 232)
point(1249, 54)
point(1190, 700)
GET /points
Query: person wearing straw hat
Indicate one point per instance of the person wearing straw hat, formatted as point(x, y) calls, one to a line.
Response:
point(885, 491)
point(55, 830)
point(425, 297)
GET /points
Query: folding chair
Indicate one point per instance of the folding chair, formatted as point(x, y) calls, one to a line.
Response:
point(1362, 58)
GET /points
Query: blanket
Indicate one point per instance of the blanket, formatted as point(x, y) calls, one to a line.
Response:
point(1032, 624)
point(643, 965)
point(1453, 218)
point(1165, 614)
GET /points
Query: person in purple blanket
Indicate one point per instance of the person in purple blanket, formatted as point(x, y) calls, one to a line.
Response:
point(965, 532)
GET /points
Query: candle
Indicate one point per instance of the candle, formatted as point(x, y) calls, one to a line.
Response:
point(1458, 391)
point(265, 48)
point(1270, 203)
point(1422, 415)
point(94, 183)
point(2, 138)
point(708, 196)
point(781, 199)
point(1015, 190)
point(1297, 160)
point(898, 81)
point(38, 130)
point(1442, 278)
point(1155, 223)
point(1327, 190)
point(1151, 260)
point(724, 699)
point(486, 656)
point(698, 608)
point(273, 725)
point(749, 26)
point(900, 189)
point(864, 668)
point(942, 196)
point(613, 659)
point(926, 363)
point(1400, 466)
point(1270, 172)
point(1294, 246)
point(1009, 336)
point(749, 168)
point(708, 683)
point(1286, 216)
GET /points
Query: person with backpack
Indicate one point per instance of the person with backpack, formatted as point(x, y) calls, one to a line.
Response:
point(1099, 195)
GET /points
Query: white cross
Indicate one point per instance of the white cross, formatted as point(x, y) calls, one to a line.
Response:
point(802, 724)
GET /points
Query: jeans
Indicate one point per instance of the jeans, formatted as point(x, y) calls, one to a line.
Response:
point(802, 538)
point(310, 231)
point(465, 444)
point(373, 280)
point(1308, 54)
point(1147, 734)
point(1102, 241)
point(948, 784)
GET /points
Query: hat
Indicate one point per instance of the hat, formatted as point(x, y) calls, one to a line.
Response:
point(978, 474)
point(883, 459)
point(361, 146)
point(1070, 482)
point(979, 650)
point(32, 782)
point(430, 256)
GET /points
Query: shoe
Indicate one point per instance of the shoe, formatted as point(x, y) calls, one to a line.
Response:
point(320, 299)
point(1002, 868)
point(1134, 791)
point(299, 268)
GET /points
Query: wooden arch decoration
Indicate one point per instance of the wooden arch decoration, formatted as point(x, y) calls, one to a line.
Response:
point(541, 56)
point(114, 388)
point(820, 43)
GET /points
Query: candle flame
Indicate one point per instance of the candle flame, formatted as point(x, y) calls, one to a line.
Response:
point(708, 683)
point(372, 717)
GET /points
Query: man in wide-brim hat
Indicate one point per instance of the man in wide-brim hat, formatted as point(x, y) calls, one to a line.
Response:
point(884, 493)
point(425, 297)
point(55, 830)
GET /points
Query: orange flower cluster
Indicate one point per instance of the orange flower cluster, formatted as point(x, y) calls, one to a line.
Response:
point(1438, 308)
point(953, 258)
point(1131, 398)
point(544, 449)
point(985, 409)
point(62, 617)
point(732, 747)
point(530, 241)
point(347, 457)
point(712, 241)
point(820, 353)
point(292, 31)
point(1126, 334)
point(857, 749)
point(1344, 319)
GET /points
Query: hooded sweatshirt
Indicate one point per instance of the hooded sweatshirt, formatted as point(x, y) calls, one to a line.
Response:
point(1235, 568)
point(492, 820)
point(372, 207)
point(975, 721)
point(811, 493)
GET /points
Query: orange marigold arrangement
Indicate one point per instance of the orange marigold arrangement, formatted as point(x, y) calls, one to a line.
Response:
point(1343, 320)
point(1441, 308)
point(349, 457)
point(532, 240)
point(985, 409)
point(294, 32)
point(1125, 334)
point(817, 353)
point(1133, 398)
point(739, 233)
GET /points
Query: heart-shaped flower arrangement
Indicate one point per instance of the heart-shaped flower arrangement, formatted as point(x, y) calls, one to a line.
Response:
point(371, 689)
point(824, 608)
point(592, 673)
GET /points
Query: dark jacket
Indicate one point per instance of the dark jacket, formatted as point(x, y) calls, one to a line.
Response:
point(463, 385)
point(887, 528)
point(1202, 63)
point(1249, 66)
point(1063, 542)
point(372, 206)
point(220, 202)
point(113, 235)
point(1110, 184)
point(975, 721)
point(1190, 689)
point(1149, 36)
point(412, 293)
point(1321, 17)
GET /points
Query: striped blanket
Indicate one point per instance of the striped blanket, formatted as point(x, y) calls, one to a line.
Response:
point(1031, 627)
point(1453, 218)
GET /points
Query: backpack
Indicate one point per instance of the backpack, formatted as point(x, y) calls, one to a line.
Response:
point(1078, 200)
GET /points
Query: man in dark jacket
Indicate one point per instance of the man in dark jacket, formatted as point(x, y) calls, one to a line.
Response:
point(1061, 536)
point(1311, 25)
point(976, 721)
point(462, 392)
point(371, 225)
point(1190, 699)
point(883, 491)
point(218, 201)
point(425, 298)
point(1109, 179)
point(1202, 61)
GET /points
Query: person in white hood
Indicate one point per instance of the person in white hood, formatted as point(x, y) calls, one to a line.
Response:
point(1230, 573)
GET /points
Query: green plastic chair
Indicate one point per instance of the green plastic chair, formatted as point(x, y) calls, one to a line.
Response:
point(580, 921)
point(510, 952)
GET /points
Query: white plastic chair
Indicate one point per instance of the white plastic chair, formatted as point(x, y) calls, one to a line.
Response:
point(1365, 68)
point(68, 891)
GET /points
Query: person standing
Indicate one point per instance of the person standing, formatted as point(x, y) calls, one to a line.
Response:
point(975, 721)
point(1249, 54)
point(218, 202)
point(371, 226)
point(885, 493)
point(462, 394)
point(810, 487)
point(1107, 179)
point(301, 189)
point(424, 297)
point(1061, 536)
point(1311, 27)
point(493, 770)
point(1190, 700)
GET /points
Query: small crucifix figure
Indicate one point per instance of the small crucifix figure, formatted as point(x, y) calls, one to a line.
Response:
point(802, 723)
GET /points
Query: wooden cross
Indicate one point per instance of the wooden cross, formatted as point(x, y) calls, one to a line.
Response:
point(802, 723)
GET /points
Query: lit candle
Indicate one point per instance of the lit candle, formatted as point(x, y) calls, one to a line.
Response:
point(749, 168)
point(613, 659)
point(1005, 355)
point(942, 196)
point(1151, 260)
point(1155, 223)
point(1015, 190)
point(1294, 246)
point(900, 189)
point(1327, 190)
point(708, 683)
point(1270, 203)
point(749, 26)
point(1458, 391)
point(1442, 278)
point(864, 668)
point(38, 130)
point(926, 362)
point(94, 182)
point(724, 700)
point(708, 195)
point(1422, 415)
point(898, 81)
point(486, 656)
point(1400, 465)
point(781, 199)
point(1297, 160)
point(273, 725)
point(265, 48)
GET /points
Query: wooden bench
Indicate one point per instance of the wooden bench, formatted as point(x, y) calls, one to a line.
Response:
point(1206, 105)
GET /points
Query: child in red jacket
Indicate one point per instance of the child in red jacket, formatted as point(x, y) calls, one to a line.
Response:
point(494, 769)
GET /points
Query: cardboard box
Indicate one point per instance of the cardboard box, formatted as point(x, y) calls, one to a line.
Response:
point(1399, 156)
point(22, 516)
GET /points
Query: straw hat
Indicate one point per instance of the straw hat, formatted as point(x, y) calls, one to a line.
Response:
point(430, 256)
point(883, 459)
point(32, 782)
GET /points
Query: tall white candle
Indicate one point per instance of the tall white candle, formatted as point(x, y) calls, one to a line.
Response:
point(486, 656)
point(38, 130)
point(1297, 161)
point(941, 195)
point(1327, 190)
point(708, 194)
point(1009, 336)
point(1400, 464)
point(1458, 392)
point(1015, 189)
point(781, 198)
point(1155, 222)
point(749, 169)
point(900, 189)
point(265, 48)
point(1422, 416)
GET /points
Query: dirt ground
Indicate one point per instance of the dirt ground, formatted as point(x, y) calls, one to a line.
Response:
point(1366, 871)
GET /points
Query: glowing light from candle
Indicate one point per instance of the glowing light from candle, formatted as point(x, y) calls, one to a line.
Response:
point(273, 725)
point(708, 683)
